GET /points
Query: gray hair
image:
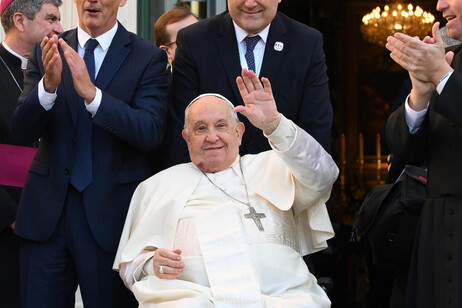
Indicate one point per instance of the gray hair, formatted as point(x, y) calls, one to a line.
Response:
point(232, 112)
point(27, 7)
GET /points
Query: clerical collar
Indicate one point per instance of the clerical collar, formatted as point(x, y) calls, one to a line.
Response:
point(23, 59)
point(104, 39)
point(236, 165)
point(241, 34)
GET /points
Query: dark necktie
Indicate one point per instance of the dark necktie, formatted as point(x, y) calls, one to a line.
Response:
point(82, 170)
point(250, 42)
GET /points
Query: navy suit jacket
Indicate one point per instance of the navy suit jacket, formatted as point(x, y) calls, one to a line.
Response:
point(207, 60)
point(129, 123)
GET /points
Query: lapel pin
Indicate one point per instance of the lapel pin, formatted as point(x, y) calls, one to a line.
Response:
point(278, 46)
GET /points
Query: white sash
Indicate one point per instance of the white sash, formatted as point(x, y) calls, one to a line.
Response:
point(227, 259)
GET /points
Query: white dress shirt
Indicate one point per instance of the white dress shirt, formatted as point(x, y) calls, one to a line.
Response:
point(258, 51)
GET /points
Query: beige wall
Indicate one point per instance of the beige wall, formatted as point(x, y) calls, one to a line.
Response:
point(69, 19)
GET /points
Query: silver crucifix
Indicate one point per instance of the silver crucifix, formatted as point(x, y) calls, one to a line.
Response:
point(256, 217)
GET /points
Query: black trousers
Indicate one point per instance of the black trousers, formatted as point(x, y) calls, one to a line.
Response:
point(51, 270)
point(9, 269)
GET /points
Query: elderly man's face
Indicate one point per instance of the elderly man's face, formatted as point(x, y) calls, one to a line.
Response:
point(213, 135)
point(45, 23)
point(253, 15)
point(452, 12)
point(98, 16)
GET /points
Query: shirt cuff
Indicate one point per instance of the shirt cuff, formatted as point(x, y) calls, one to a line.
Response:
point(132, 272)
point(413, 118)
point(440, 86)
point(148, 268)
point(47, 100)
point(93, 106)
point(283, 136)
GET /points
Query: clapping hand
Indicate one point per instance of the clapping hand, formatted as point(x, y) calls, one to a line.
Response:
point(425, 60)
point(82, 82)
point(52, 63)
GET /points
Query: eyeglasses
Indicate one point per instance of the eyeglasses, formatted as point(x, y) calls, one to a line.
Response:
point(171, 43)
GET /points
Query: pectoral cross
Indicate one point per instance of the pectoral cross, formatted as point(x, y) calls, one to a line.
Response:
point(256, 217)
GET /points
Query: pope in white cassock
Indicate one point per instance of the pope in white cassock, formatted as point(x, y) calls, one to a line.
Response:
point(230, 231)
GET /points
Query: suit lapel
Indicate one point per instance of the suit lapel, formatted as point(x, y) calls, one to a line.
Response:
point(274, 55)
point(456, 62)
point(71, 95)
point(115, 56)
point(229, 52)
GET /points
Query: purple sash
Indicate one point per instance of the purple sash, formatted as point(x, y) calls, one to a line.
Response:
point(14, 164)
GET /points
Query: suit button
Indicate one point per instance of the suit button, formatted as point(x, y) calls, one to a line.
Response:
point(67, 171)
point(73, 140)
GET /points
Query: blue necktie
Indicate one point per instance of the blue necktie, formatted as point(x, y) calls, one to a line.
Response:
point(82, 170)
point(250, 42)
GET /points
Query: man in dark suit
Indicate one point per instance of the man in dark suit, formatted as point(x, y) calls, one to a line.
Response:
point(211, 53)
point(25, 22)
point(427, 129)
point(95, 137)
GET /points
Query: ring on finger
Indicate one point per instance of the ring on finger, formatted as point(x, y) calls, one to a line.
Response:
point(161, 269)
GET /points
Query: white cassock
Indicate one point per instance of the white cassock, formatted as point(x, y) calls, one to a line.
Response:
point(229, 262)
